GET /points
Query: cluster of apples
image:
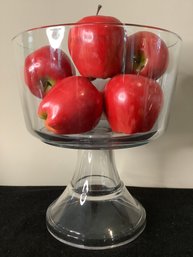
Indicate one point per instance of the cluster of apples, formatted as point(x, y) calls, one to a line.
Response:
point(131, 99)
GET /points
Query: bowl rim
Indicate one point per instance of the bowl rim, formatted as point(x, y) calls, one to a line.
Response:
point(71, 24)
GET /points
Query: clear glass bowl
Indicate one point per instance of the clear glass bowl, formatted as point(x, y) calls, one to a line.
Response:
point(101, 136)
point(96, 87)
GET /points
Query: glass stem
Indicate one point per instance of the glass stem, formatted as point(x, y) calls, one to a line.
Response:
point(95, 172)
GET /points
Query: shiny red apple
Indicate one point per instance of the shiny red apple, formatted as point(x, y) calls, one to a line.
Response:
point(72, 106)
point(147, 55)
point(96, 45)
point(132, 103)
point(44, 67)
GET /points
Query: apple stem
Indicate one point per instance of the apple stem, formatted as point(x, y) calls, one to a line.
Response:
point(138, 64)
point(98, 9)
point(47, 85)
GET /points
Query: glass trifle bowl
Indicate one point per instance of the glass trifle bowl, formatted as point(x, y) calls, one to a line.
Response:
point(96, 87)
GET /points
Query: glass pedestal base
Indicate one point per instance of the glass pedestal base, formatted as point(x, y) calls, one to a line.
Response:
point(96, 220)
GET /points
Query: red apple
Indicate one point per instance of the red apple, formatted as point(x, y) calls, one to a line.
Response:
point(44, 67)
point(147, 55)
point(96, 46)
point(72, 106)
point(132, 103)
